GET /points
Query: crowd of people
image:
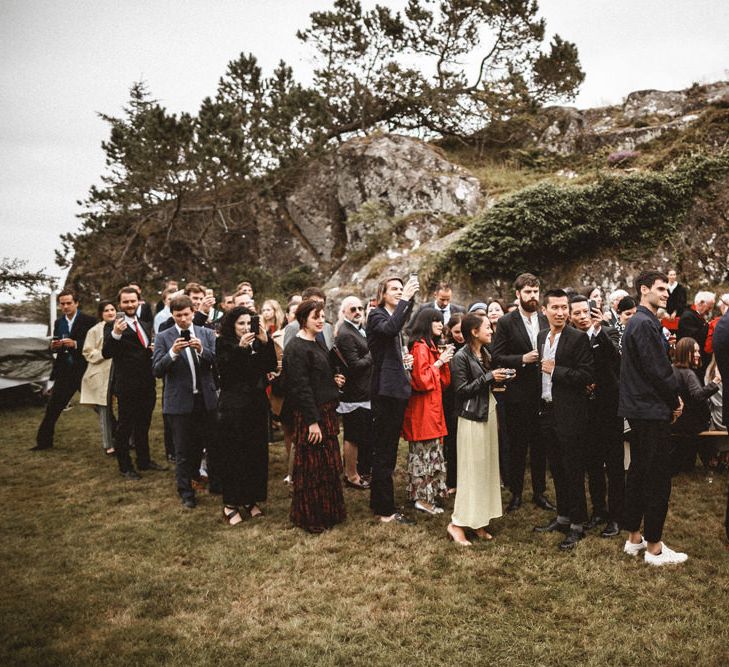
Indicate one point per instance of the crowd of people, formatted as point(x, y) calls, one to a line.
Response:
point(559, 379)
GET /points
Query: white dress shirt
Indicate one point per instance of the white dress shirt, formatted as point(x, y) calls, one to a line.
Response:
point(548, 352)
point(531, 324)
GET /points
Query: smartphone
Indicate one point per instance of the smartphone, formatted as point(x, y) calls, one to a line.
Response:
point(119, 316)
point(255, 324)
point(185, 334)
point(209, 292)
point(593, 304)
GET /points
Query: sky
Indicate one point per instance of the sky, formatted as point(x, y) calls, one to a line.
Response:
point(63, 61)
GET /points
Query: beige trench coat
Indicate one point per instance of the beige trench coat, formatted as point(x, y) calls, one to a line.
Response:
point(95, 384)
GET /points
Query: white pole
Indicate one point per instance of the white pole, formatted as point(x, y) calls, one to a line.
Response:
point(52, 310)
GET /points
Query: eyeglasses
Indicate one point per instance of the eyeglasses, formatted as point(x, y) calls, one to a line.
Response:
point(354, 309)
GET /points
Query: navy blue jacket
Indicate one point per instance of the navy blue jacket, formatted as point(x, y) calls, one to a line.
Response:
point(385, 343)
point(721, 352)
point(648, 387)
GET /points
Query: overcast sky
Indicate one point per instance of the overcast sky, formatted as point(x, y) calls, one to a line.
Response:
point(62, 61)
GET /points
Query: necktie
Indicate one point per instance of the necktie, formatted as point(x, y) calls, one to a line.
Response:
point(139, 333)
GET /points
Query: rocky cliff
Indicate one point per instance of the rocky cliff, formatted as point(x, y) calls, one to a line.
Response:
point(388, 204)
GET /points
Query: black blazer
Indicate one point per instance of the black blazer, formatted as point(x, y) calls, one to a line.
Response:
point(132, 361)
point(721, 352)
point(77, 366)
point(511, 341)
point(677, 300)
point(573, 371)
point(352, 345)
point(606, 358)
point(144, 312)
point(385, 343)
point(648, 387)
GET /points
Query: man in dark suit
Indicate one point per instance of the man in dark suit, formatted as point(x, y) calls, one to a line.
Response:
point(694, 323)
point(649, 400)
point(515, 346)
point(677, 296)
point(720, 342)
point(604, 451)
point(441, 302)
point(127, 341)
point(69, 334)
point(184, 356)
point(389, 389)
point(144, 310)
point(355, 406)
point(566, 371)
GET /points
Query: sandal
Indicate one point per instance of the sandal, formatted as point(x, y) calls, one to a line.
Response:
point(361, 485)
point(250, 509)
point(231, 516)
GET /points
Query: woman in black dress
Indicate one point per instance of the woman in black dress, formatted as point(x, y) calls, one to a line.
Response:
point(244, 358)
point(312, 395)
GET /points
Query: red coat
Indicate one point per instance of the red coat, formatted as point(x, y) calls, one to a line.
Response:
point(424, 418)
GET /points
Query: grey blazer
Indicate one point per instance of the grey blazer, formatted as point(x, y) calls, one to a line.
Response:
point(178, 397)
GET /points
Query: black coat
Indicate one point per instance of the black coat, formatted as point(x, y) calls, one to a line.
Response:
point(721, 352)
point(353, 349)
point(606, 358)
point(677, 300)
point(511, 342)
point(309, 379)
point(696, 415)
point(648, 387)
point(384, 340)
point(132, 362)
point(76, 368)
point(694, 326)
point(471, 383)
point(573, 371)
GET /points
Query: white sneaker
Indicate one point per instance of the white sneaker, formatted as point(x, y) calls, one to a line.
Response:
point(666, 557)
point(635, 549)
point(434, 509)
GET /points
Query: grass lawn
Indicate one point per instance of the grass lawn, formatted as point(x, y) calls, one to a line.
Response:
point(101, 571)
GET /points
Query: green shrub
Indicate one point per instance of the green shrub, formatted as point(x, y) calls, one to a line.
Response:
point(544, 225)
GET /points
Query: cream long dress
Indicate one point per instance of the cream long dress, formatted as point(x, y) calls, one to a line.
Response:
point(478, 498)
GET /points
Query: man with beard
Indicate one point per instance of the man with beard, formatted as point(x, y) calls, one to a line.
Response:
point(604, 453)
point(515, 346)
point(355, 406)
point(127, 342)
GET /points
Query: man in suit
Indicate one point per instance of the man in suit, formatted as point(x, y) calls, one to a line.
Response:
point(144, 310)
point(515, 346)
point(389, 389)
point(355, 406)
point(720, 343)
point(566, 371)
point(183, 356)
point(69, 334)
point(127, 341)
point(677, 296)
point(649, 400)
point(442, 302)
point(604, 452)
point(694, 323)
point(612, 317)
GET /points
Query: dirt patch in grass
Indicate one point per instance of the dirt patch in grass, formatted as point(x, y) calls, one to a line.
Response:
point(98, 570)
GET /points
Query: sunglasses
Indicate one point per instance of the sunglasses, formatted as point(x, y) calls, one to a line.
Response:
point(354, 309)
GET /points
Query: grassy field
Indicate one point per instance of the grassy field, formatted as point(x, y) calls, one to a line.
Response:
point(97, 570)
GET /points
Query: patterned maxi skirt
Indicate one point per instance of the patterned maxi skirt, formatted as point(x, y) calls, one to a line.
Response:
point(318, 502)
point(427, 471)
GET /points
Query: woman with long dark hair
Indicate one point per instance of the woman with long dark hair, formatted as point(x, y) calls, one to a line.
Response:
point(312, 396)
point(95, 383)
point(244, 358)
point(478, 499)
point(454, 337)
point(424, 423)
point(696, 415)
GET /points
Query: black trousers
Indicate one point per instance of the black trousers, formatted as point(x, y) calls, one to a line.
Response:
point(648, 488)
point(135, 416)
point(357, 427)
point(605, 456)
point(450, 450)
point(387, 414)
point(63, 389)
point(567, 463)
point(189, 433)
point(522, 429)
